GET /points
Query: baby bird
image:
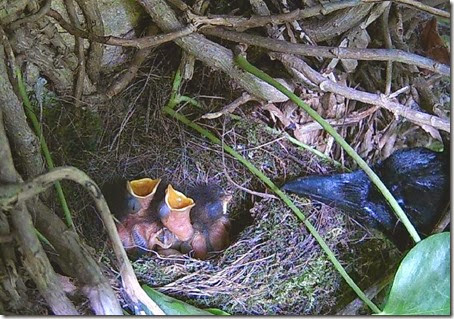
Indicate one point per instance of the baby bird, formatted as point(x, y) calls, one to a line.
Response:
point(417, 177)
point(209, 219)
point(129, 201)
point(174, 212)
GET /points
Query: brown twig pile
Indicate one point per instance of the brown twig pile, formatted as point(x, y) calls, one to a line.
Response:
point(376, 70)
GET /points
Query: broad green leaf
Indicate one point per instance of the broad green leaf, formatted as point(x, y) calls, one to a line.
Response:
point(172, 306)
point(422, 282)
point(217, 312)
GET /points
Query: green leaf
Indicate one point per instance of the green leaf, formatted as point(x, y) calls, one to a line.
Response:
point(172, 306)
point(422, 282)
point(217, 312)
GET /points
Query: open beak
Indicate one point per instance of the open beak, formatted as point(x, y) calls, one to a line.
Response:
point(143, 189)
point(177, 219)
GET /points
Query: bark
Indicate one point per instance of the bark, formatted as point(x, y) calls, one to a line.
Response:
point(25, 143)
point(75, 260)
point(34, 258)
point(210, 53)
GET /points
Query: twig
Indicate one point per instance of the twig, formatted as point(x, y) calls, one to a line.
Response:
point(420, 6)
point(307, 148)
point(140, 56)
point(330, 52)
point(242, 23)
point(243, 99)
point(139, 43)
point(397, 109)
point(388, 45)
point(12, 194)
point(79, 51)
point(31, 18)
point(350, 120)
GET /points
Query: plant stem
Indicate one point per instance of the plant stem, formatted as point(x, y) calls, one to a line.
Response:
point(38, 130)
point(243, 63)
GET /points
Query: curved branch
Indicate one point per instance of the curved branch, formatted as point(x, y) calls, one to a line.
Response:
point(12, 194)
point(140, 43)
point(330, 52)
point(34, 258)
point(41, 13)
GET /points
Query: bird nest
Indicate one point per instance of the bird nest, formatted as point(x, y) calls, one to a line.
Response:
point(273, 265)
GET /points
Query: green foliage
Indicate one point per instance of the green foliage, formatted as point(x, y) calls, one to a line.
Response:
point(422, 282)
point(172, 306)
point(217, 312)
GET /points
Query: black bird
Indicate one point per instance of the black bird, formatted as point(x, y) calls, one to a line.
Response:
point(417, 177)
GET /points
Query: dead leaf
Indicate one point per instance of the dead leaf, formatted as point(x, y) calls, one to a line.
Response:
point(433, 44)
point(359, 39)
point(277, 113)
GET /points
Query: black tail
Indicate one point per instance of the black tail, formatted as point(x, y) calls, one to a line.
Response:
point(346, 191)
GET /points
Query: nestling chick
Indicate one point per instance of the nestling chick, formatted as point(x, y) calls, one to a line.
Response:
point(210, 220)
point(174, 212)
point(129, 201)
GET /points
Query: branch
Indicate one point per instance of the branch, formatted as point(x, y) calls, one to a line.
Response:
point(12, 194)
point(229, 108)
point(78, 86)
point(31, 18)
point(123, 81)
point(210, 53)
point(139, 43)
point(21, 136)
point(74, 259)
point(420, 6)
point(397, 109)
point(94, 23)
point(34, 258)
point(241, 23)
point(329, 52)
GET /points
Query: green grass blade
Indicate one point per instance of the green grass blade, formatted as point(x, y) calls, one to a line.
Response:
point(38, 130)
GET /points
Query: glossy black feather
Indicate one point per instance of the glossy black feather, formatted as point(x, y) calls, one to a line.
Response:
point(417, 177)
